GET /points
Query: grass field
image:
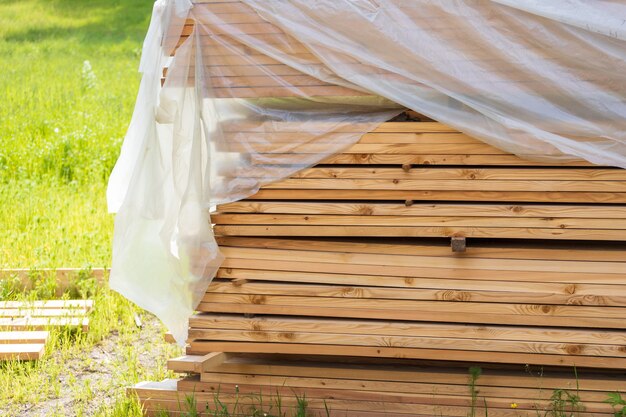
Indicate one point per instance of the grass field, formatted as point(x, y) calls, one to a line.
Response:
point(67, 89)
point(69, 80)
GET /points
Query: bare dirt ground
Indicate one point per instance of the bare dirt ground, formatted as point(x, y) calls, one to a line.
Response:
point(91, 383)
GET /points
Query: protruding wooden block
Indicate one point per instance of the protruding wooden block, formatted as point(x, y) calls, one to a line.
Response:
point(458, 243)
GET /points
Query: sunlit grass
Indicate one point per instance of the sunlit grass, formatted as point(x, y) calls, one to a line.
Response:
point(68, 352)
point(67, 89)
point(68, 84)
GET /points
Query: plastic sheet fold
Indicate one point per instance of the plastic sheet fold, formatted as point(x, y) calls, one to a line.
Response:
point(237, 94)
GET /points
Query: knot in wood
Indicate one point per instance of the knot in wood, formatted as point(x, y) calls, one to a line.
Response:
point(258, 299)
point(574, 349)
point(453, 295)
point(570, 289)
point(547, 309)
point(287, 336)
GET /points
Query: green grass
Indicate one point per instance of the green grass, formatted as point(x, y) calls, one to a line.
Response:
point(72, 359)
point(68, 85)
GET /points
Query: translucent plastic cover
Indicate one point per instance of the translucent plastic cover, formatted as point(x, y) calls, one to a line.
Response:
point(237, 94)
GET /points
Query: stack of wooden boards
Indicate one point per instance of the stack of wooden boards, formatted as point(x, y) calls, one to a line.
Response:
point(233, 69)
point(331, 261)
point(340, 265)
point(22, 324)
point(245, 56)
point(255, 385)
point(428, 180)
point(339, 282)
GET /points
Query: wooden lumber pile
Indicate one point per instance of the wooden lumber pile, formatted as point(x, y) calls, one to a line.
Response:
point(23, 325)
point(333, 275)
point(392, 389)
point(512, 304)
point(335, 260)
point(427, 180)
point(340, 283)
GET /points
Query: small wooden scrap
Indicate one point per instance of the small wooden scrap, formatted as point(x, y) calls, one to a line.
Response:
point(458, 243)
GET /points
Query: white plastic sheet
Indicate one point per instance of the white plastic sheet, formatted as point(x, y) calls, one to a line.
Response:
point(260, 89)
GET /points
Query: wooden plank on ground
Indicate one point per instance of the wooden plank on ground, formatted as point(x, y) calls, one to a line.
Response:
point(38, 323)
point(49, 304)
point(23, 337)
point(21, 351)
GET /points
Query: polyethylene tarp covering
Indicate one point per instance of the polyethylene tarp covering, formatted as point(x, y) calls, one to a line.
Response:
point(259, 89)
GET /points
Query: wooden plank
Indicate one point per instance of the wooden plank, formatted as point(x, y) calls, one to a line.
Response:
point(451, 308)
point(371, 148)
point(388, 127)
point(420, 231)
point(426, 261)
point(476, 174)
point(385, 402)
point(43, 312)
point(451, 272)
point(23, 337)
point(338, 308)
point(414, 159)
point(434, 195)
point(315, 407)
point(496, 294)
point(21, 351)
point(294, 81)
point(186, 363)
point(303, 91)
point(367, 371)
point(304, 136)
point(459, 220)
point(240, 69)
point(391, 352)
point(288, 325)
point(449, 185)
point(38, 323)
point(210, 381)
point(360, 395)
point(48, 304)
point(420, 247)
point(448, 287)
point(421, 209)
